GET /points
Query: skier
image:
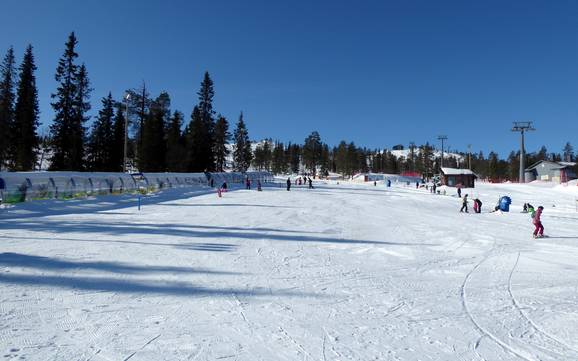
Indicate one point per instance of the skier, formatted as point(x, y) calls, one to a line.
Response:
point(459, 192)
point(288, 184)
point(527, 208)
point(477, 205)
point(247, 183)
point(310, 183)
point(388, 183)
point(464, 204)
point(224, 186)
point(539, 231)
point(416, 185)
point(259, 186)
point(374, 183)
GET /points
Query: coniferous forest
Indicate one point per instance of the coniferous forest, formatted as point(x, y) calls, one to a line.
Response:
point(161, 139)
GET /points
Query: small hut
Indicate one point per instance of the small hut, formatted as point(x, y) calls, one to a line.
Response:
point(545, 170)
point(453, 177)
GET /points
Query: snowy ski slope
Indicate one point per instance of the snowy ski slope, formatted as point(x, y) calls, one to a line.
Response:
point(340, 272)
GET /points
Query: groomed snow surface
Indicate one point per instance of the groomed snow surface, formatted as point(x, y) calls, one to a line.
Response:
point(340, 272)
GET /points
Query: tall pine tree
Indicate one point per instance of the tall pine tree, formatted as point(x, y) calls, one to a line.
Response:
point(153, 152)
point(7, 77)
point(117, 152)
point(568, 155)
point(221, 140)
point(101, 142)
point(294, 157)
point(242, 155)
point(206, 147)
point(70, 107)
point(139, 103)
point(312, 149)
point(194, 138)
point(175, 144)
point(81, 108)
point(278, 162)
point(26, 116)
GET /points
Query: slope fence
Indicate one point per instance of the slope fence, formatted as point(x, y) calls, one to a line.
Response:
point(18, 187)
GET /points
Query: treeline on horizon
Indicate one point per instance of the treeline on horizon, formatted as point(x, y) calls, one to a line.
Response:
point(161, 140)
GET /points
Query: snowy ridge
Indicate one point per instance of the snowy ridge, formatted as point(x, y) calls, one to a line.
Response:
point(406, 154)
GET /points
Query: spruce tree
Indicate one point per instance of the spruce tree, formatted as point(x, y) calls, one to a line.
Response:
point(175, 144)
point(139, 104)
point(312, 149)
point(341, 158)
point(70, 107)
point(279, 165)
point(352, 159)
point(267, 154)
point(207, 146)
point(513, 165)
point(81, 108)
point(7, 78)
point(153, 152)
point(242, 155)
point(325, 162)
point(259, 157)
point(568, 153)
point(206, 94)
point(26, 116)
point(542, 154)
point(221, 140)
point(493, 166)
point(101, 142)
point(117, 151)
point(294, 157)
point(194, 138)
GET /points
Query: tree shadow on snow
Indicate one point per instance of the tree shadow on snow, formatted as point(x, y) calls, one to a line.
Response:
point(45, 263)
point(176, 230)
point(181, 289)
point(25, 224)
point(223, 205)
point(213, 247)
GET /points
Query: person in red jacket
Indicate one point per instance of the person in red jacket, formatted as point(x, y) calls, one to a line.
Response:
point(539, 231)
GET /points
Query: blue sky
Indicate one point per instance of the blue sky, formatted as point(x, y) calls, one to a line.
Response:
point(374, 72)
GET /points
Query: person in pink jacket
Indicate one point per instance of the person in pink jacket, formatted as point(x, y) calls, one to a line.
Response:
point(539, 231)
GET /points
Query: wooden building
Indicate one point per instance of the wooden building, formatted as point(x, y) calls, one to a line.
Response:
point(453, 177)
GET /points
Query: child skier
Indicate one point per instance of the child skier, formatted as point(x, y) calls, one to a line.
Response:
point(288, 184)
point(464, 204)
point(539, 231)
point(528, 208)
point(477, 205)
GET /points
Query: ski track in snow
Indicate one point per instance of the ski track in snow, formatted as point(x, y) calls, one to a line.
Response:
point(340, 272)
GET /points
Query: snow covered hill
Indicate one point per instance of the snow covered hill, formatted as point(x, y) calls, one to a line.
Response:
point(339, 272)
point(406, 153)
